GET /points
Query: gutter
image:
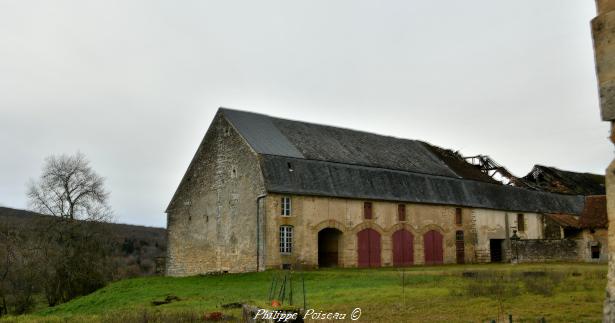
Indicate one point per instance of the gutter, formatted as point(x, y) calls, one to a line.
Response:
point(258, 229)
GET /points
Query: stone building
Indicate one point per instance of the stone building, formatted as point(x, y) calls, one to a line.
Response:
point(264, 192)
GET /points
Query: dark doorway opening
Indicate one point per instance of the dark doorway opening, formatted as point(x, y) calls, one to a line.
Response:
point(328, 247)
point(595, 252)
point(460, 248)
point(495, 247)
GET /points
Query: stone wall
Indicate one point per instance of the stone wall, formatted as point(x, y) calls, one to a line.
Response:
point(594, 238)
point(546, 250)
point(310, 214)
point(495, 224)
point(211, 221)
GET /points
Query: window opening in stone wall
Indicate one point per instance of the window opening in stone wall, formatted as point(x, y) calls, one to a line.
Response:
point(458, 218)
point(520, 222)
point(286, 239)
point(286, 206)
point(401, 212)
point(367, 210)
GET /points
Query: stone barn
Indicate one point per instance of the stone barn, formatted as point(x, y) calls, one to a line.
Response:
point(264, 192)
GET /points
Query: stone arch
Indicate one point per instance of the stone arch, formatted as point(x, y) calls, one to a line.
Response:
point(329, 224)
point(330, 249)
point(316, 236)
point(368, 225)
point(432, 226)
point(404, 226)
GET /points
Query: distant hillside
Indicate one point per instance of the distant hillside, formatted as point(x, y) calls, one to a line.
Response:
point(138, 247)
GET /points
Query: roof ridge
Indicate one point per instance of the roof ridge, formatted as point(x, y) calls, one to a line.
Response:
point(320, 124)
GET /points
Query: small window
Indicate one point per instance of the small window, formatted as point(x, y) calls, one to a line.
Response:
point(286, 206)
point(595, 252)
point(290, 167)
point(367, 210)
point(286, 239)
point(458, 217)
point(520, 222)
point(459, 235)
point(401, 212)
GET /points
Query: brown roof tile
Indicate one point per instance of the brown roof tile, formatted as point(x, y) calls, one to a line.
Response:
point(565, 220)
point(594, 214)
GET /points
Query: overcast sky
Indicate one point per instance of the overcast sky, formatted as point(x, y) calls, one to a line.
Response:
point(135, 84)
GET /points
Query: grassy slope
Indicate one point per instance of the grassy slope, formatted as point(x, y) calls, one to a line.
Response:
point(431, 294)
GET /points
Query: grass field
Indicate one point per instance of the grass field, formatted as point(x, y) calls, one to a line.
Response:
point(557, 292)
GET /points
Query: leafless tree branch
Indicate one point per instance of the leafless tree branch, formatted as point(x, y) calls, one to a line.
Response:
point(69, 188)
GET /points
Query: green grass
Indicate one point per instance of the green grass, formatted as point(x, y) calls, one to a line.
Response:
point(436, 294)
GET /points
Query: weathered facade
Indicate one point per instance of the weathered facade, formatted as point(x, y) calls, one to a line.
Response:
point(212, 227)
point(263, 192)
point(495, 228)
point(311, 214)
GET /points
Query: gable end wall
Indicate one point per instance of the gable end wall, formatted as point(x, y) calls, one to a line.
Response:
point(211, 221)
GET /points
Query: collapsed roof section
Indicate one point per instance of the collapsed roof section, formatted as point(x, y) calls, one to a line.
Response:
point(555, 180)
point(311, 159)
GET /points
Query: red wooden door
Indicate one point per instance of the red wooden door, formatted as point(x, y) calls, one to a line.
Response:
point(369, 248)
point(403, 248)
point(433, 247)
point(363, 237)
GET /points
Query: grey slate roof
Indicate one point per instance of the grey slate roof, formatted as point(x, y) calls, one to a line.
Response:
point(280, 137)
point(261, 133)
point(311, 177)
point(330, 161)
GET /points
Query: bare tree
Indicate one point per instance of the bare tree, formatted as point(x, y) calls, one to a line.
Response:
point(69, 188)
point(73, 245)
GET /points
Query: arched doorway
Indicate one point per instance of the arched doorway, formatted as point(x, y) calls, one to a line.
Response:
point(329, 240)
point(403, 248)
point(369, 248)
point(433, 247)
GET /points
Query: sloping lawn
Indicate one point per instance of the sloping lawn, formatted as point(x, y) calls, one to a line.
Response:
point(471, 293)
